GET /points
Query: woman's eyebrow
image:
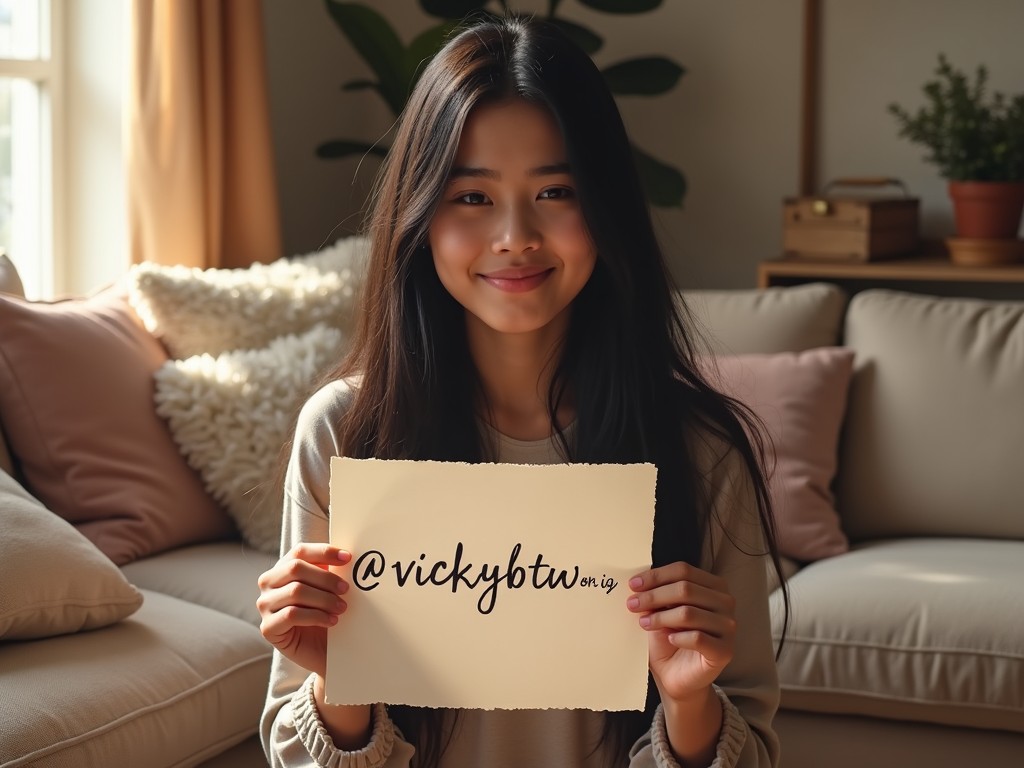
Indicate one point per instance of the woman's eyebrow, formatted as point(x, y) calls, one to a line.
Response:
point(465, 171)
point(554, 169)
point(474, 172)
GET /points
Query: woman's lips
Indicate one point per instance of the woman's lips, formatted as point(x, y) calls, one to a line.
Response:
point(517, 279)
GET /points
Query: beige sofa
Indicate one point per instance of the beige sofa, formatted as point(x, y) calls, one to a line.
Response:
point(907, 650)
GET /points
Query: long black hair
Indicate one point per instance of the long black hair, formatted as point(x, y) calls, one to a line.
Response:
point(629, 360)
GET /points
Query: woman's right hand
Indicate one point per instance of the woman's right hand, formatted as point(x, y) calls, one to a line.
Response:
point(299, 599)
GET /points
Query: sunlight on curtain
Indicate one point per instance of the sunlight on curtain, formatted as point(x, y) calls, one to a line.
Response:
point(201, 184)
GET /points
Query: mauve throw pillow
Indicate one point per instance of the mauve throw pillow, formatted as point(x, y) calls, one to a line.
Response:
point(801, 397)
point(76, 401)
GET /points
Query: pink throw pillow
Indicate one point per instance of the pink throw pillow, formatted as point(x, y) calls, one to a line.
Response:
point(801, 397)
point(76, 403)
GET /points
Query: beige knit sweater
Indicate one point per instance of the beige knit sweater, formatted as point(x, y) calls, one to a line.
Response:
point(294, 737)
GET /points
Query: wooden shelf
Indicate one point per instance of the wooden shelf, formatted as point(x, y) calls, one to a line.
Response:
point(789, 271)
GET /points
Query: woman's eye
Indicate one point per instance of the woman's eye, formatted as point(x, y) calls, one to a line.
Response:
point(472, 198)
point(557, 193)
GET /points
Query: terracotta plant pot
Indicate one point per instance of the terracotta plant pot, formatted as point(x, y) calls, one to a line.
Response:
point(987, 210)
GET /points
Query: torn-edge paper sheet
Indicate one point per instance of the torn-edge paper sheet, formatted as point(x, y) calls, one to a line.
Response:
point(490, 586)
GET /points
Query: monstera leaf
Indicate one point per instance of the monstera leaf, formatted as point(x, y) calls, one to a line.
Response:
point(452, 9)
point(622, 6)
point(332, 150)
point(372, 36)
point(664, 185)
point(582, 36)
point(643, 77)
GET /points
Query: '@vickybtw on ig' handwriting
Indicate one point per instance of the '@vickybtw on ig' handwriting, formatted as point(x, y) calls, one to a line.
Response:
point(370, 567)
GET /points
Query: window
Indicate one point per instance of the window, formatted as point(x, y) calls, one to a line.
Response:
point(28, 83)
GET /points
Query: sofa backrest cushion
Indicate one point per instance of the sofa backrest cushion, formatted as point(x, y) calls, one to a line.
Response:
point(771, 320)
point(10, 283)
point(934, 435)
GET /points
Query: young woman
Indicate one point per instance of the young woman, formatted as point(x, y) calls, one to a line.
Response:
point(517, 309)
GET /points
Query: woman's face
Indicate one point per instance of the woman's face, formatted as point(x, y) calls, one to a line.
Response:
point(508, 239)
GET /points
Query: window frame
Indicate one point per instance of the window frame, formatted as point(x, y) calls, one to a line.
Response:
point(46, 72)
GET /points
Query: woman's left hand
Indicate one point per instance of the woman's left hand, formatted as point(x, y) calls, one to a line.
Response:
point(689, 615)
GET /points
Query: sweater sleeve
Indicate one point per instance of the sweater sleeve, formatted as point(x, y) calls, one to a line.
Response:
point(748, 688)
point(291, 730)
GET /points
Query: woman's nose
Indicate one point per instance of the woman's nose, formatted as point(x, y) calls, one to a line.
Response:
point(516, 231)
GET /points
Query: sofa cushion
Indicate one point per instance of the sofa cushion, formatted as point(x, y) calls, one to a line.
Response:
point(771, 320)
point(221, 576)
point(789, 568)
point(232, 416)
point(196, 311)
point(935, 423)
point(930, 630)
point(170, 686)
point(10, 283)
point(76, 401)
point(801, 398)
point(54, 580)
point(10, 280)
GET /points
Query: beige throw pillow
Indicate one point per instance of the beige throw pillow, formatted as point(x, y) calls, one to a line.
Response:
point(54, 580)
point(232, 415)
point(10, 281)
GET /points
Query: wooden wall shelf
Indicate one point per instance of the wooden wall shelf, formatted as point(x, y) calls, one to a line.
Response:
point(775, 272)
point(928, 275)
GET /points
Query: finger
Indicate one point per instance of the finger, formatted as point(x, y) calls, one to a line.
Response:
point(681, 593)
point(677, 571)
point(277, 627)
point(300, 595)
point(320, 553)
point(687, 619)
point(289, 569)
point(716, 652)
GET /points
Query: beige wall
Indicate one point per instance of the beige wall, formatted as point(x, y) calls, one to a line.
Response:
point(879, 51)
point(731, 125)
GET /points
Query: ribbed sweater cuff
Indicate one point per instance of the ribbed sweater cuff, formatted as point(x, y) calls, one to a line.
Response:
point(319, 744)
point(730, 741)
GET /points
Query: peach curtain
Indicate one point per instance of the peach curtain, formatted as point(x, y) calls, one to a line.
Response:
point(201, 184)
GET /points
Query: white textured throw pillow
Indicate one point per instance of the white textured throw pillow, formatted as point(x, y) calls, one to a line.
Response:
point(195, 311)
point(231, 414)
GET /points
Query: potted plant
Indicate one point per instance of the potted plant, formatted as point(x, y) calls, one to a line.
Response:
point(976, 138)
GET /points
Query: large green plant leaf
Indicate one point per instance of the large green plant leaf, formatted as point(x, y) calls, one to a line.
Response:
point(372, 36)
point(582, 36)
point(359, 85)
point(451, 9)
point(647, 76)
point(333, 150)
point(622, 6)
point(664, 185)
point(397, 67)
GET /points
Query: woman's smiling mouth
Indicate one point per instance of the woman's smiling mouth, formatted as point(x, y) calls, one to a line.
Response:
point(517, 279)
